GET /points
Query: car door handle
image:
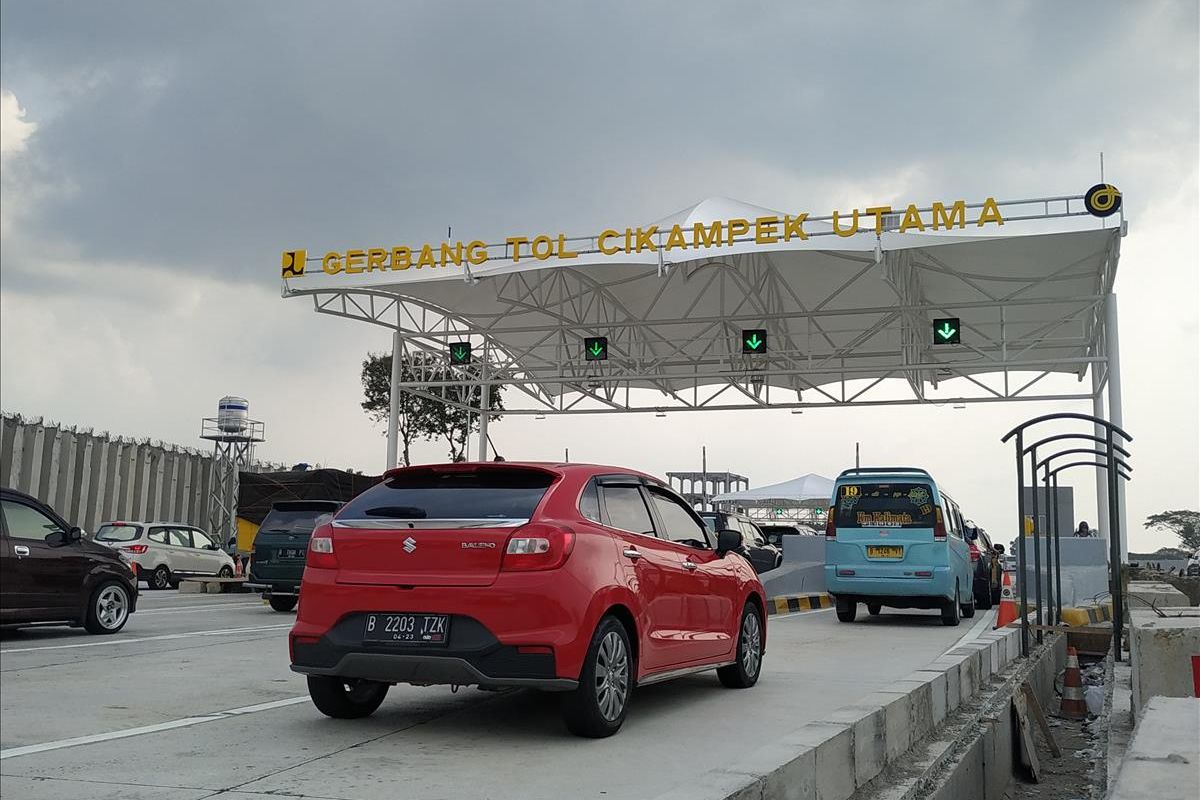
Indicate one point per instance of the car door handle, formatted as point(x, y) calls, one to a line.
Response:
point(21, 550)
point(631, 552)
point(690, 565)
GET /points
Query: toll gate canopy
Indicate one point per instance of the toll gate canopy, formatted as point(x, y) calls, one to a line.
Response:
point(726, 305)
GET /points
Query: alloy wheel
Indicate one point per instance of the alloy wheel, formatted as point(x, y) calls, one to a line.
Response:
point(112, 607)
point(612, 676)
point(751, 644)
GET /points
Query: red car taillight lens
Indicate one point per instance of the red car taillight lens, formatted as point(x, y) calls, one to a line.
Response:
point(939, 527)
point(320, 549)
point(138, 549)
point(538, 546)
point(974, 553)
point(830, 527)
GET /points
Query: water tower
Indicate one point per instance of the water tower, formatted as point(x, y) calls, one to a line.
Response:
point(233, 435)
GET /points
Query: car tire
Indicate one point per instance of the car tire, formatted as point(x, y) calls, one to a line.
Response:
point(225, 572)
point(874, 609)
point(283, 602)
point(984, 599)
point(968, 610)
point(950, 610)
point(743, 673)
point(160, 578)
point(846, 610)
point(346, 698)
point(597, 707)
point(108, 608)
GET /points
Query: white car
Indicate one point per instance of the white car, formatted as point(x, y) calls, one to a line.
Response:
point(166, 551)
point(1193, 565)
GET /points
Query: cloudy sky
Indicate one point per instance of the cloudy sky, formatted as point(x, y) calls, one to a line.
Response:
point(158, 156)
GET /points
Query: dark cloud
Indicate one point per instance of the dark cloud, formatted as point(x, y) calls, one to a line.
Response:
point(219, 132)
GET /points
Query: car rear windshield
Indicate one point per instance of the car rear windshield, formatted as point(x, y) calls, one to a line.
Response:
point(710, 520)
point(453, 494)
point(118, 533)
point(297, 518)
point(884, 505)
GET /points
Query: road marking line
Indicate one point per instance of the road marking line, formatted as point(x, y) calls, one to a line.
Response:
point(794, 614)
point(164, 637)
point(989, 618)
point(188, 609)
point(13, 752)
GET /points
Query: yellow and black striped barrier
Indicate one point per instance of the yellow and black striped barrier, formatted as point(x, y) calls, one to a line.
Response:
point(1087, 615)
point(790, 604)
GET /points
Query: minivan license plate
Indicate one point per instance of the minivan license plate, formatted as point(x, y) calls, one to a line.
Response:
point(432, 629)
point(884, 551)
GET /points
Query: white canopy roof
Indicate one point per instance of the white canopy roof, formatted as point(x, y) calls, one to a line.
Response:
point(848, 319)
point(807, 491)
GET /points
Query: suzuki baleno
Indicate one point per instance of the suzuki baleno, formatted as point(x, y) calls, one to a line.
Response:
point(577, 579)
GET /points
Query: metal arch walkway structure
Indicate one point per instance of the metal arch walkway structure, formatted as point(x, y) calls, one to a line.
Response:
point(848, 318)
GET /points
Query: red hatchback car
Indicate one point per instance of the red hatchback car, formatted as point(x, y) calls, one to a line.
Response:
point(571, 578)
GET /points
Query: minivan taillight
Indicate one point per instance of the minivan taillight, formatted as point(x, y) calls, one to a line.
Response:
point(320, 549)
point(830, 527)
point(137, 549)
point(974, 553)
point(939, 527)
point(538, 546)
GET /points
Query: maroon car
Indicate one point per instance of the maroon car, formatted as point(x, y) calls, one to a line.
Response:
point(50, 573)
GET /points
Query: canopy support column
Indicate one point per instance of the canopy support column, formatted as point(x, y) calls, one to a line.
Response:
point(1112, 343)
point(393, 431)
point(1101, 478)
point(485, 404)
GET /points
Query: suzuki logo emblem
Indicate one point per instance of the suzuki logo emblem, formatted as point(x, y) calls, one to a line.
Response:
point(410, 544)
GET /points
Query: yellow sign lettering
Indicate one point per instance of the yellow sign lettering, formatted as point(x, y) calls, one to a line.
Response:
point(542, 247)
point(477, 252)
point(735, 228)
point(516, 242)
point(563, 252)
point(793, 227)
point(766, 230)
point(989, 213)
point(354, 258)
point(605, 236)
point(375, 258)
point(401, 257)
point(426, 258)
point(675, 239)
point(332, 263)
point(454, 255)
point(957, 211)
point(853, 229)
point(644, 242)
point(710, 237)
point(912, 219)
point(879, 211)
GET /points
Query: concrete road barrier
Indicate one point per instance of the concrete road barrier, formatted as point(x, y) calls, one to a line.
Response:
point(1160, 763)
point(788, 604)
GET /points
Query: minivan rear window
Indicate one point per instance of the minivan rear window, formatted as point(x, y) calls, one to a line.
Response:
point(303, 520)
point(118, 533)
point(452, 494)
point(884, 505)
point(710, 520)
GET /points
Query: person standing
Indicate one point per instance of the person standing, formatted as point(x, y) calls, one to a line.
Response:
point(1083, 531)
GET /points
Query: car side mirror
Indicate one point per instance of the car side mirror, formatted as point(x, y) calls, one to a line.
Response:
point(210, 547)
point(75, 534)
point(728, 541)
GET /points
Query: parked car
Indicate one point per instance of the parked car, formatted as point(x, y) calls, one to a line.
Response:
point(571, 578)
point(895, 538)
point(280, 547)
point(167, 551)
point(763, 554)
point(986, 560)
point(1193, 565)
point(775, 532)
point(51, 573)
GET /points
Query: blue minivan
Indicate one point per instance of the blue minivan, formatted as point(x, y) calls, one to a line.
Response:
point(894, 538)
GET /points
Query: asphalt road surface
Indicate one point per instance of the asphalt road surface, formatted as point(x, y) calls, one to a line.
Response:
point(194, 699)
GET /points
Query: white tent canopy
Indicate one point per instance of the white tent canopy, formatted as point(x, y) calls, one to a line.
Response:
point(848, 319)
point(807, 491)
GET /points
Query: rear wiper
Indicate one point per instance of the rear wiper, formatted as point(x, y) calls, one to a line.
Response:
point(397, 512)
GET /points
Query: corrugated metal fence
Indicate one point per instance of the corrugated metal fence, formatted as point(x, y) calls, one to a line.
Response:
point(90, 478)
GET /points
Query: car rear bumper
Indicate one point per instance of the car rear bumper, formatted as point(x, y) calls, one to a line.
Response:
point(939, 585)
point(473, 656)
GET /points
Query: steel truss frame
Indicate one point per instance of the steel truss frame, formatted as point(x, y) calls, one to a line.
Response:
point(806, 367)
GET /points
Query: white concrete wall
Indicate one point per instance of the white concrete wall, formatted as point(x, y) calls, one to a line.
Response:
point(1160, 651)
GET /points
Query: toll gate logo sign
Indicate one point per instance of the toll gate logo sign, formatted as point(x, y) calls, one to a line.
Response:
point(1102, 200)
point(293, 263)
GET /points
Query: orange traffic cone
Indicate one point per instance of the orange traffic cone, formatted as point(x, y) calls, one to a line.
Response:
point(1008, 604)
point(1073, 705)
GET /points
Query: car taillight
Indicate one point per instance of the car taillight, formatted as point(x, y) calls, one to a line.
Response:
point(830, 527)
point(538, 546)
point(939, 527)
point(136, 548)
point(320, 549)
point(974, 553)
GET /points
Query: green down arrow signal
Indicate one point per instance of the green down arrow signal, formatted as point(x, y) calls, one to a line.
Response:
point(946, 331)
point(754, 342)
point(459, 354)
point(596, 348)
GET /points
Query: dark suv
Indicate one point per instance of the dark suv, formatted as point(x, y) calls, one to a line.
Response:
point(50, 573)
point(280, 546)
point(985, 558)
point(763, 554)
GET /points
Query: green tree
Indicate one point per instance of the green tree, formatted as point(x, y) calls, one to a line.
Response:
point(427, 415)
point(1184, 524)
